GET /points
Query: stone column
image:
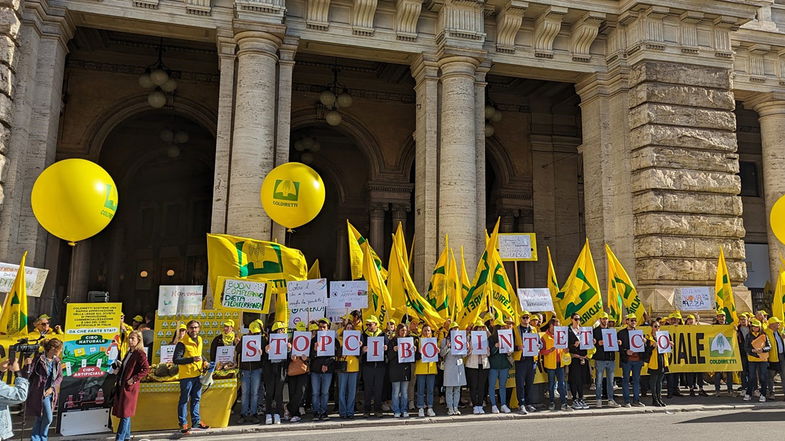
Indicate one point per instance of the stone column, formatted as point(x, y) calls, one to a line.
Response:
point(479, 140)
point(399, 217)
point(458, 154)
point(79, 273)
point(771, 113)
point(285, 71)
point(341, 257)
point(223, 136)
point(426, 194)
point(254, 140)
point(376, 236)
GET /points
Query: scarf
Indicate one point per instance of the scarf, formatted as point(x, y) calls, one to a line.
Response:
point(228, 339)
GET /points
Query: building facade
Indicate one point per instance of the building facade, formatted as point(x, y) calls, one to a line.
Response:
point(655, 127)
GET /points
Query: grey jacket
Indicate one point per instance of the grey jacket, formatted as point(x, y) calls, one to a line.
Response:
point(10, 395)
point(454, 373)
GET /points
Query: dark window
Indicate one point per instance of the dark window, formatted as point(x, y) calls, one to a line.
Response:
point(749, 179)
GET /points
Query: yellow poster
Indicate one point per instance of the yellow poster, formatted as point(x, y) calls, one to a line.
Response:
point(90, 340)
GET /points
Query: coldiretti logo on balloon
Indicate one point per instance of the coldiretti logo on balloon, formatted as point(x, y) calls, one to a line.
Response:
point(110, 201)
point(286, 192)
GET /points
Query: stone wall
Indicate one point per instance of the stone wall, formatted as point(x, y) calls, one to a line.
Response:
point(9, 32)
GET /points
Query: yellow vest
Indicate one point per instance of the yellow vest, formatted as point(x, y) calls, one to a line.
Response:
point(774, 357)
point(192, 349)
point(549, 360)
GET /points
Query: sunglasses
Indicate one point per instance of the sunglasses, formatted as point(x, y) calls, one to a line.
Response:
point(45, 323)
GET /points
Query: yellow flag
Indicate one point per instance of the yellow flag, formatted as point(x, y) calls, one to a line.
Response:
point(356, 256)
point(281, 306)
point(477, 300)
point(620, 284)
point(453, 286)
point(13, 320)
point(466, 284)
point(581, 292)
point(723, 291)
point(314, 272)
point(379, 303)
point(553, 284)
point(504, 297)
point(437, 288)
point(400, 241)
point(778, 299)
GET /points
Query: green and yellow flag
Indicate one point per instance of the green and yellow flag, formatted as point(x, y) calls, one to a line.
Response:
point(723, 291)
point(620, 283)
point(13, 319)
point(453, 286)
point(465, 285)
point(437, 288)
point(553, 284)
point(400, 241)
point(581, 292)
point(477, 299)
point(314, 272)
point(356, 240)
point(379, 302)
point(401, 282)
point(504, 297)
point(778, 299)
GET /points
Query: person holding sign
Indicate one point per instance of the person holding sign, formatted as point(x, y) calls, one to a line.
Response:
point(297, 372)
point(579, 367)
point(274, 371)
point(322, 368)
point(454, 373)
point(657, 364)
point(188, 358)
point(499, 368)
point(373, 365)
point(133, 368)
point(552, 362)
point(425, 370)
point(525, 367)
point(631, 348)
point(757, 346)
point(604, 363)
point(250, 370)
point(478, 366)
point(400, 369)
point(227, 337)
point(348, 368)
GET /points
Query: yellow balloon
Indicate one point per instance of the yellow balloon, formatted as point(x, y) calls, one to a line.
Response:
point(74, 199)
point(777, 219)
point(292, 194)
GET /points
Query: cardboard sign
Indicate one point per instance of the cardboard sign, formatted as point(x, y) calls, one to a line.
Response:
point(351, 343)
point(479, 343)
point(610, 341)
point(307, 300)
point(167, 353)
point(560, 337)
point(251, 348)
point(696, 298)
point(375, 349)
point(518, 246)
point(278, 347)
point(535, 299)
point(325, 344)
point(348, 295)
point(664, 345)
point(506, 341)
point(531, 344)
point(458, 344)
point(34, 278)
point(179, 300)
point(405, 350)
point(224, 354)
point(586, 338)
point(244, 295)
point(637, 342)
point(301, 343)
point(429, 349)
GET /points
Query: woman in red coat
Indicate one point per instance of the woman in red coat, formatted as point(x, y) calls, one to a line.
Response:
point(133, 369)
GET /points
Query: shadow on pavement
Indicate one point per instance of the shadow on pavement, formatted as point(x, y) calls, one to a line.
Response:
point(741, 417)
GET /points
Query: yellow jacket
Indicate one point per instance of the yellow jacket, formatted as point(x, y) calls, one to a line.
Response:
point(553, 359)
point(654, 360)
point(192, 349)
point(774, 357)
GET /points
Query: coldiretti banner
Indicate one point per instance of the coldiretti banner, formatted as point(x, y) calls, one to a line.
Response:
point(699, 348)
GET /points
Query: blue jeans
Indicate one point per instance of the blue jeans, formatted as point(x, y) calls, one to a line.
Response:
point(452, 396)
point(555, 375)
point(400, 396)
point(41, 427)
point(524, 379)
point(320, 391)
point(250, 391)
point(604, 368)
point(123, 429)
point(347, 388)
point(757, 372)
point(501, 375)
point(190, 390)
point(425, 385)
point(631, 368)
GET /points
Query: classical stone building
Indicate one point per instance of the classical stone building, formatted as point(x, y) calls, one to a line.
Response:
point(656, 127)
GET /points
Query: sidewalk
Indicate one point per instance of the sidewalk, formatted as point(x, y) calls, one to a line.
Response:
point(686, 404)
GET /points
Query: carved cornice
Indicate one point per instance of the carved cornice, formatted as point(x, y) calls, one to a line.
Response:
point(546, 29)
point(266, 11)
point(198, 7)
point(462, 20)
point(317, 14)
point(363, 12)
point(508, 23)
point(407, 13)
point(584, 32)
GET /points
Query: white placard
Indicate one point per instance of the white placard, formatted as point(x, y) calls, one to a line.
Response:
point(405, 349)
point(531, 344)
point(664, 345)
point(610, 341)
point(351, 343)
point(348, 295)
point(375, 349)
point(278, 347)
point(517, 246)
point(245, 295)
point(560, 337)
point(34, 278)
point(251, 348)
point(429, 349)
point(179, 300)
point(696, 298)
point(535, 299)
point(586, 338)
point(479, 343)
point(224, 354)
point(637, 341)
point(458, 345)
point(81, 422)
point(325, 344)
point(167, 353)
point(307, 300)
point(301, 343)
point(506, 341)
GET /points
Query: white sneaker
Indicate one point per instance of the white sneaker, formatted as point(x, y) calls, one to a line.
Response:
point(396, 415)
point(522, 410)
point(430, 412)
point(450, 412)
point(599, 404)
point(747, 397)
point(612, 403)
point(302, 410)
point(531, 408)
point(494, 409)
point(405, 415)
point(295, 419)
point(762, 399)
point(482, 411)
point(268, 419)
point(455, 411)
point(505, 409)
point(277, 419)
point(475, 411)
point(421, 413)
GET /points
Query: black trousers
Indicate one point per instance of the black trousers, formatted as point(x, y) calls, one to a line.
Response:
point(273, 389)
point(524, 379)
point(373, 384)
point(577, 376)
point(478, 384)
point(297, 385)
point(655, 382)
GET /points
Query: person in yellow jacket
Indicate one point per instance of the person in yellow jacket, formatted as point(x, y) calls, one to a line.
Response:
point(426, 376)
point(188, 358)
point(777, 340)
point(348, 370)
point(757, 347)
point(657, 365)
point(42, 328)
point(552, 362)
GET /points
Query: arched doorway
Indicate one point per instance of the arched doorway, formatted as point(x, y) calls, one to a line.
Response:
point(162, 163)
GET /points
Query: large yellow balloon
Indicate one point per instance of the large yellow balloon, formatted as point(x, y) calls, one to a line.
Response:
point(74, 199)
point(292, 194)
point(777, 219)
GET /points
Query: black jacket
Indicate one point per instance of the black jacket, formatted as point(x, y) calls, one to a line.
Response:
point(318, 362)
point(364, 358)
point(571, 340)
point(601, 354)
point(398, 371)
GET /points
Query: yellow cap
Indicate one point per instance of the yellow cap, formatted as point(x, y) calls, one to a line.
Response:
point(774, 320)
point(755, 322)
point(390, 321)
point(722, 313)
point(675, 314)
point(278, 325)
point(535, 317)
point(324, 320)
point(603, 315)
point(690, 317)
point(454, 325)
point(300, 326)
point(313, 327)
point(181, 326)
point(255, 327)
point(762, 312)
point(44, 317)
point(372, 319)
point(508, 319)
point(229, 323)
point(631, 316)
point(479, 323)
point(137, 318)
point(525, 314)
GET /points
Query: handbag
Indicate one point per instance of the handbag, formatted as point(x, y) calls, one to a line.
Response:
point(297, 367)
point(341, 365)
point(566, 359)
